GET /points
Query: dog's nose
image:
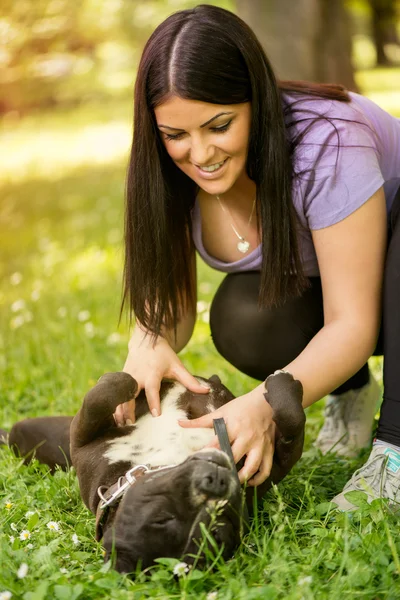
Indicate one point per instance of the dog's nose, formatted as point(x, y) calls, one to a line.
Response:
point(215, 482)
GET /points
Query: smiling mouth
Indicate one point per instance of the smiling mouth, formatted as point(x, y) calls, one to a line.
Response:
point(212, 168)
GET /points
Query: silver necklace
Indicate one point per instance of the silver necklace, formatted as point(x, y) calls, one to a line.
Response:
point(243, 245)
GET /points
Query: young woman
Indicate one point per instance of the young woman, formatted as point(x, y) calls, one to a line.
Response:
point(292, 189)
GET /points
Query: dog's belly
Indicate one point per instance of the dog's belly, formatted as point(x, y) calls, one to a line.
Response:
point(160, 441)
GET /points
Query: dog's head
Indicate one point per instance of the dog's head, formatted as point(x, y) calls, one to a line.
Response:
point(160, 515)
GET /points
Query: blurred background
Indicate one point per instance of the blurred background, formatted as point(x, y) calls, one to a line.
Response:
point(67, 71)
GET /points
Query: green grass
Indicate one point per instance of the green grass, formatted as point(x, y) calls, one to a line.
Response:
point(60, 229)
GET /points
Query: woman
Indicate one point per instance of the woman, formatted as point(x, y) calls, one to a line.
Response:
point(289, 187)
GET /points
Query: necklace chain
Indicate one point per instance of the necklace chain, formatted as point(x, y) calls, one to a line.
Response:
point(243, 244)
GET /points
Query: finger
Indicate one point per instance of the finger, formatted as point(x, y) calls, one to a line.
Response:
point(129, 412)
point(239, 449)
point(206, 421)
point(251, 465)
point(152, 391)
point(264, 470)
point(119, 416)
point(187, 380)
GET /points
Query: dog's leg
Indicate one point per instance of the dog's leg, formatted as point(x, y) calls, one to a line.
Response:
point(44, 438)
point(285, 395)
point(96, 414)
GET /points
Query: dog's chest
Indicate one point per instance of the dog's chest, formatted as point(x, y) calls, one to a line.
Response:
point(160, 441)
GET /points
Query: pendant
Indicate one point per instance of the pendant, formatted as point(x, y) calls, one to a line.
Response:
point(243, 246)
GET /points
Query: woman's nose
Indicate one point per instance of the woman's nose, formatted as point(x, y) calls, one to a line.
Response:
point(201, 154)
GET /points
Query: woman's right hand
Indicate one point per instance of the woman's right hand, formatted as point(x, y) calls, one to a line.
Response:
point(149, 363)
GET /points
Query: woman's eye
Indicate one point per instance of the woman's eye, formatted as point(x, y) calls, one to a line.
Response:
point(177, 136)
point(222, 128)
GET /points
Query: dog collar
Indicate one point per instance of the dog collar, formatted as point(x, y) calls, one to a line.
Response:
point(225, 445)
point(112, 495)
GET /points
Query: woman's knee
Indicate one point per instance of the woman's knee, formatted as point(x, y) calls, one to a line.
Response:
point(259, 341)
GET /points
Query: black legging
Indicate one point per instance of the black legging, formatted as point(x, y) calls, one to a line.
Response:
point(258, 342)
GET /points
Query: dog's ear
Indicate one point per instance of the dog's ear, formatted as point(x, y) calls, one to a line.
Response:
point(214, 379)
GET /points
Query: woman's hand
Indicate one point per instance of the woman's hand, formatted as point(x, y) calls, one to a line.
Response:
point(251, 432)
point(148, 364)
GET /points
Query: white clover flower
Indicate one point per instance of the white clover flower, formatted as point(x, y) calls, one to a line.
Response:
point(29, 546)
point(22, 571)
point(83, 315)
point(180, 569)
point(8, 505)
point(202, 306)
point(24, 535)
point(35, 295)
point(63, 570)
point(89, 329)
point(113, 339)
point(212, 596)
point(29, 513)
point(18, 305)
point(13, 527)
point(11, 538)
point(17, 322)
point(62, 312)
point(205, 287)
point(304, 580)
point(16, 278)
point(75, 540)
point(6, 595)
point(53, 526)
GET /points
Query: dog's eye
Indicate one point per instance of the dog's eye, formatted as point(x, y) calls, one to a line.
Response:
point(163, 520)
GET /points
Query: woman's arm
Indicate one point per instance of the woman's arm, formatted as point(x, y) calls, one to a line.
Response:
point(351, 257)
point(149, 360)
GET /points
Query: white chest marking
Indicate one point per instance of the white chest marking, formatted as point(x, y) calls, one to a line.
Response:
point(160, 441)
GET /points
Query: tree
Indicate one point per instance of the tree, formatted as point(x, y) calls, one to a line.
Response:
point(384, 28)
point(306, 39)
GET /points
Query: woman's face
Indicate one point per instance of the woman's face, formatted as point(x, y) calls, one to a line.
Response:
point(208, 142)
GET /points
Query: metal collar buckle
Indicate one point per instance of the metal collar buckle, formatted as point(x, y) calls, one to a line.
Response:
point(118, 489)
point(121, 486)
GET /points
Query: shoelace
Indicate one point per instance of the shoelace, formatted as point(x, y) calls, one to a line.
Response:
point(380, 478)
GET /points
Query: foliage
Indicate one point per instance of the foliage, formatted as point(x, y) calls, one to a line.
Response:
point(60, 231)
point(56, 52)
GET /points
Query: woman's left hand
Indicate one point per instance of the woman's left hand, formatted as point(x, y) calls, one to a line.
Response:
point(251, 432)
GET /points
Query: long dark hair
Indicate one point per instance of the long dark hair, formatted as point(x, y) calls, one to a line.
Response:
point(210, 55)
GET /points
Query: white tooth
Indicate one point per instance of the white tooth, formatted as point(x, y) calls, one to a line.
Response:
point(212, 167)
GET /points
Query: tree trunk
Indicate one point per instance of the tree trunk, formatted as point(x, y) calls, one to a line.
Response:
point(305, 39)
point(383, 28)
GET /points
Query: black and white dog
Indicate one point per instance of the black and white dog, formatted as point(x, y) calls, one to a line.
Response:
point(152, 484)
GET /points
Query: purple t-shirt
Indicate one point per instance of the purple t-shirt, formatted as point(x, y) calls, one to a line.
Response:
point(333, 182)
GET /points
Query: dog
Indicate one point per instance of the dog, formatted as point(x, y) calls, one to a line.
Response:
point(145, 512)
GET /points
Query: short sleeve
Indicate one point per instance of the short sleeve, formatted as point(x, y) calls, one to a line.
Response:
point(338, 169)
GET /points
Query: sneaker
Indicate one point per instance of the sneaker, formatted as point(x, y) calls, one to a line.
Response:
point(378, 478)
point(349, 419)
